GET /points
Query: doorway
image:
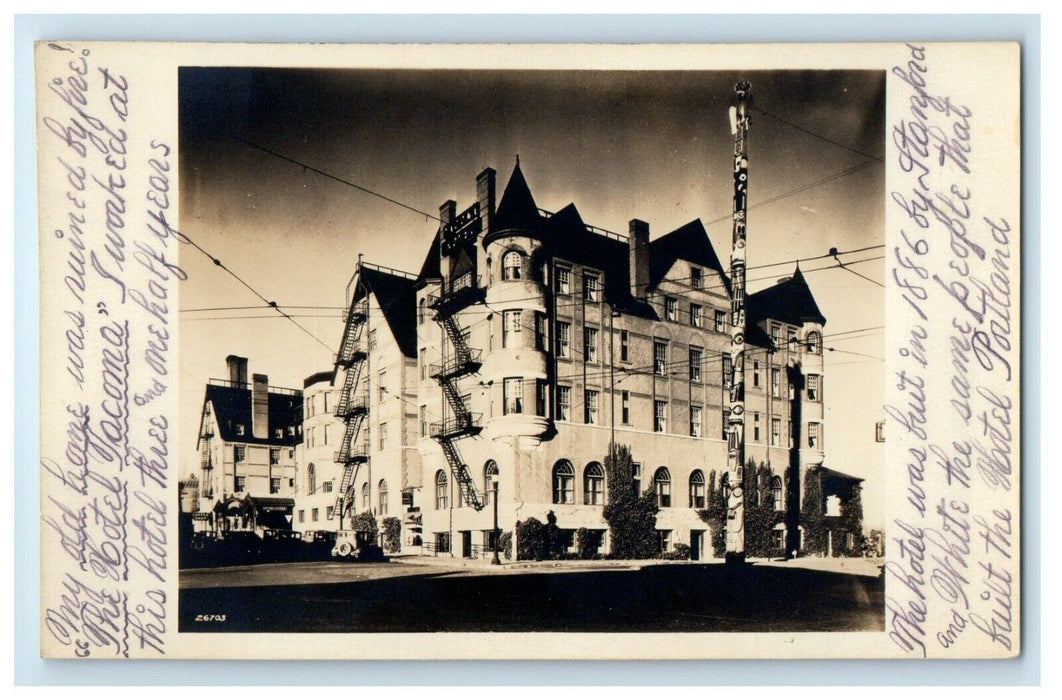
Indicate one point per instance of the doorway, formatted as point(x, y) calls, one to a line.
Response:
point(696, 545)
point(466, 544)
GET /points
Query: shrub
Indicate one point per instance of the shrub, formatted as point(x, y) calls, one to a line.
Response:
point(588, 542)
point(631, 518)
point(366, 523)
point(392, 534)
point(531, 540)
point(812, 514)
point(505, 544)
point(681, 552)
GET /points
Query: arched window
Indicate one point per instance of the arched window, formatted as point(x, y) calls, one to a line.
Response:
point(697, 489)
point(594, 484)
point(662, 487)
point(311, 479)
point(365, 496)
point(382, 491)
point(442, 491)
point(490, 473)
point(421, 312)
point(563, 482)
point(776, 492)
point(814, 343)
point(512, 262)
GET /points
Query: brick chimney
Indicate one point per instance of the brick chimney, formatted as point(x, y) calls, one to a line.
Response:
point(485, 195)
point(639, 244)
point(237, 369)
point(260, 406)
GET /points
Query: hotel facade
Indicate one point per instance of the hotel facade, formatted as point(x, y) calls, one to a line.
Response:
point(527, 343)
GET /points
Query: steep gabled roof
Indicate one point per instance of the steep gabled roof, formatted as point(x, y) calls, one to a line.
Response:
point(517, 208)
point(431, 268)
point(790, 301)
point(232, 407)
point(689, 242)
point(397, 298)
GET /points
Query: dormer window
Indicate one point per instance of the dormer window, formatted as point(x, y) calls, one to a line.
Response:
point(696, 277)
point(239, 428)
point(512, 263)
point(814, 343)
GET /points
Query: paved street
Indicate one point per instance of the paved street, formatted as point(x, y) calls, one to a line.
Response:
point(420, 595)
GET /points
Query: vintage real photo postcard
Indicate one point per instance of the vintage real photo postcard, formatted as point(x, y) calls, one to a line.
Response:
point(542, 351)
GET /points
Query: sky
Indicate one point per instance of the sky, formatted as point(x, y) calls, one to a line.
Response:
point(619, 144)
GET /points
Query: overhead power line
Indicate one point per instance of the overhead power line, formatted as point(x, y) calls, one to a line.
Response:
point(809, 132)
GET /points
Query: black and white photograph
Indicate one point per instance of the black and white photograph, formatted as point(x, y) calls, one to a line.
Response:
point(535, 351)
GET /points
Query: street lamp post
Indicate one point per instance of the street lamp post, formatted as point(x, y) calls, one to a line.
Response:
point(497, 536)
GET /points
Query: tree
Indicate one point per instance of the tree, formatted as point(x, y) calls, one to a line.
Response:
point(392, 531)
point(631, 517)
point(715, 515)
point(852, 522)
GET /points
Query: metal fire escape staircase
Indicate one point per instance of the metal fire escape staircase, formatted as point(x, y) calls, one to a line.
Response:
point(352, 407)
point(464, 361)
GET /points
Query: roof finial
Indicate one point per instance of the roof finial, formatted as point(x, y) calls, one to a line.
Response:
point(517, 159)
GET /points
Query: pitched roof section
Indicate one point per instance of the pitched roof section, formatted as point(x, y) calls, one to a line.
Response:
point(431, 268)
point(232, 407)
point(517, 208)
point(397, 298)
point(689, 242)
point(790, 301)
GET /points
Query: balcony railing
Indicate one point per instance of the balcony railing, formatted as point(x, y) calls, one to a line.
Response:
point(455, 426)
point(354, 406)
point(459, 293)
point(460, 363)
point(358, 452)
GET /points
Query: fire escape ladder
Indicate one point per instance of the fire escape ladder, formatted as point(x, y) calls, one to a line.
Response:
point(352, 407)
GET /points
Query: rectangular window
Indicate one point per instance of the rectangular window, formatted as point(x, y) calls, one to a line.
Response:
point(776, 333)
point(776, 432)
point(302, 516)
point(564, 281)
point(239, 429)
point(660, 416)
point(239, 453)
point(776, 382)
point(625, 346)
point(756, 374)
point(591, 407)
point(309, 406)
point(326, 487)
point(513, 388)
point(813, 388)
point(564, 402)
point(511, 329)
point(274, 484)
point(274, 455)
point(383, 436)
point(423, 363)
point(564, 339)
point(696, 360)
point(695, 421)
point(590, 344)
point(241, 484)
point(813, 435)
point(696, 277)
point(442, 542)
point(791, 338)
point(540, 331)
point(314, 514)
point(696, 319)
point(625, 407)
point(659, 357)
point(663, 540)
point(756, 427)
point(326, 395)
point(330, 512)
point(541, 397)
point(720, 321)
point(590, 288)
point(372, 339)
point(728, 371)
point(424, 421)
point(671, 308)
point(326, 435)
